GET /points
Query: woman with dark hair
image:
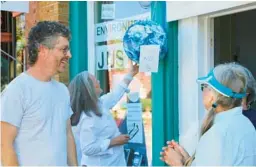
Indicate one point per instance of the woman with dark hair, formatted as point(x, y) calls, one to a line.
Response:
point(98, 140)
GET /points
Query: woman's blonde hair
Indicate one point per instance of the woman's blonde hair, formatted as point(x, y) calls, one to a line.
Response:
point(83, 97)
point(233, 76)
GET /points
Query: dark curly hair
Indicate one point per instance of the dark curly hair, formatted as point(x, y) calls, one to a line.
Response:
point(45, 33)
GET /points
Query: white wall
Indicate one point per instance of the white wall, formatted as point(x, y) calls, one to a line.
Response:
point(188, 92)
point(194, 61)
point(177, 10)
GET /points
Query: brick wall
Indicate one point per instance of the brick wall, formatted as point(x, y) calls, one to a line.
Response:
point(49, 10)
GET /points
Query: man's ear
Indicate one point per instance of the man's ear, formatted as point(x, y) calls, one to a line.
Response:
point(42, 50)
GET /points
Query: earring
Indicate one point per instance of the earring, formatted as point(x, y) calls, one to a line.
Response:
point(214, 105)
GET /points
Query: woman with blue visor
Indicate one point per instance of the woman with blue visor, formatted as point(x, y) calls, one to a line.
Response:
point(228, 138)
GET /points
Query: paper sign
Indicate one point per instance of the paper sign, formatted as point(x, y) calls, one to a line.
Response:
point(149, 58)
point(134, 122)
point(108, 11)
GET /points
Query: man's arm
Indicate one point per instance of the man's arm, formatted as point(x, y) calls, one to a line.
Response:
point(72, 157)
point(8, 135)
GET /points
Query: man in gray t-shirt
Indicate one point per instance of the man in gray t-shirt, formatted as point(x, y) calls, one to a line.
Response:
point(35, 109)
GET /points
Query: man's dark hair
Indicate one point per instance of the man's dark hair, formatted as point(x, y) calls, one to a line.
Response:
point(45, 33)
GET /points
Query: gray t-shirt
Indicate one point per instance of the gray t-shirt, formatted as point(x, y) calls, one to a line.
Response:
point(40, 110)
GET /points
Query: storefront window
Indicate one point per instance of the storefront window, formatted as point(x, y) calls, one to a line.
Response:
point(112, 65)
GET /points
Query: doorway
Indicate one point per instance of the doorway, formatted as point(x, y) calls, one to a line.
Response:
point(235, 40)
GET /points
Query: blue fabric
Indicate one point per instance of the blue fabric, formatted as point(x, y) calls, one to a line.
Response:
point(251, 115)
point(212, 81)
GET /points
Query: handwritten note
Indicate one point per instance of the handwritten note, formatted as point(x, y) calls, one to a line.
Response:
point(149, 58)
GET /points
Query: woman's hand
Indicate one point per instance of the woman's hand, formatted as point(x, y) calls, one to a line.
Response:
point(178, 148)
point(134, 68)
point(171, 157)
point(174, 154)
point(119, 140)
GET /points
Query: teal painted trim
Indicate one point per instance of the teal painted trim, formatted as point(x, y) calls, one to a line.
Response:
point(158, 138)
point(165, 116)
point(158, 11)
point(79, 42)
point(171, 84)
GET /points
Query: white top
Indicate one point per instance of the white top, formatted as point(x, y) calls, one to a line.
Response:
point(93, 134)
point(40, 111)
point(231, 141)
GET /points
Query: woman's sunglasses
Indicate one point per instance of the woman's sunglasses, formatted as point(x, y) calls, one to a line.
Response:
point(203, 86)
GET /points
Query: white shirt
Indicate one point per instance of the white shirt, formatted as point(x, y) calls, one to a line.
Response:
point(40, 111)
point(93, 134)
point(231, 141)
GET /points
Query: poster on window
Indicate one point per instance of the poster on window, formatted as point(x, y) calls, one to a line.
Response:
point(111, 57)
point(134, 122)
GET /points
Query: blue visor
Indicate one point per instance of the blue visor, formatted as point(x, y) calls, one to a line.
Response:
point(225, 91)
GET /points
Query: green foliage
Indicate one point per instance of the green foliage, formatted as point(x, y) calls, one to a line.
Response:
point(146, 104)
